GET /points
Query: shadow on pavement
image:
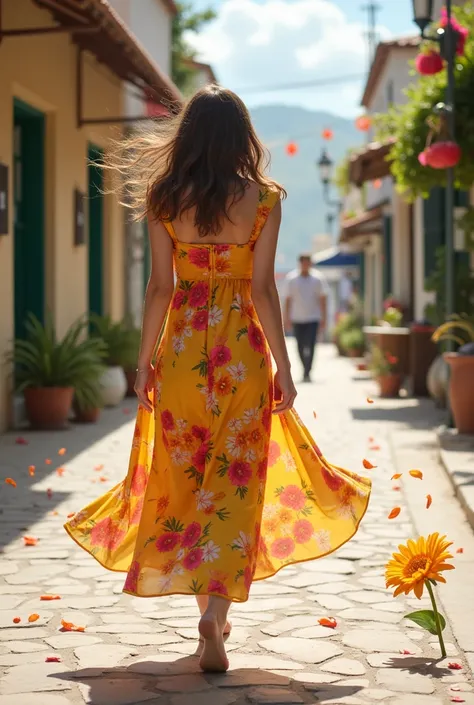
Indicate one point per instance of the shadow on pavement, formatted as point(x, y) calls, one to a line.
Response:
point(24, 505)
point(418, 413)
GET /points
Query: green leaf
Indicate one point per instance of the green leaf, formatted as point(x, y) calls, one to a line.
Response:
point(426, 619)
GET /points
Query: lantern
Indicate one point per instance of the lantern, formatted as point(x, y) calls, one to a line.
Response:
point(327, 134)
point(363, 123)
point(443, 155)
point(291, 149)
point(429, 64)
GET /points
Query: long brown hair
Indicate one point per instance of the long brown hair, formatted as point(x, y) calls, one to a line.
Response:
point(202, 159)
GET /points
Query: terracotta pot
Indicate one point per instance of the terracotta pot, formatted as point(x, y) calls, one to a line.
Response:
point(355, 352)
point(130, 375)
point(48, 407)
point(389, 385)
point(461, 390)
point(86, 415)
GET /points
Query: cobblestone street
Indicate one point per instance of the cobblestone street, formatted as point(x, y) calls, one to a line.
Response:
point(143, 650)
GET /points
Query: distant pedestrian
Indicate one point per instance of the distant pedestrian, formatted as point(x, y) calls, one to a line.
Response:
point(306, 310)
point(346, 292)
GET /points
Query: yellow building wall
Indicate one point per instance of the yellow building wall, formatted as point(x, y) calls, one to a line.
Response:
point(41, 71)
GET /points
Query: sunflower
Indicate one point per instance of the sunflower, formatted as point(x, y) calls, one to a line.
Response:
point(417, 562)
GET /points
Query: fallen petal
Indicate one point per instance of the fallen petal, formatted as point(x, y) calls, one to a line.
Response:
point(394, 513)
point(49, 492)
point(374, 447)
point(16, 620)
point(371, 439)
point(53, 659)
point(10, 481)
point(61, 451)
point(396, 476)
point(369, 400)
point(429, 500)
point(33, 617)
point(406, 652)
point(20, 441)
point(416, 474)
point(328, 622)
point(70, 627)
point(454, 666)
point(396, 488)
point(50, 597)
point(60, 471)
point(457, 699)
point(98, 468)
point(368, 465)
point(459, 550)
point(31, 470)
point(102, 478)
point(30, 540)
point(315, 415)
point(48, 461)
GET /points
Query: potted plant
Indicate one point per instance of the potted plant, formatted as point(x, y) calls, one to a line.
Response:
point(48, 370)
point(353, 343)
point(88, 402)
point(390, 335)
point(119, 345)
point(461, 363)
point(385, 369)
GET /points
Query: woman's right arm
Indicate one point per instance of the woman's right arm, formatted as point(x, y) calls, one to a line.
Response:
point(267, 305)
point(158, 296)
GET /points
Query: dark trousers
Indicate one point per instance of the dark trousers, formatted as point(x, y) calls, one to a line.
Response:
point(306, 335)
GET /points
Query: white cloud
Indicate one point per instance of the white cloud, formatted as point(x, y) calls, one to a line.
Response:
point(253, 44)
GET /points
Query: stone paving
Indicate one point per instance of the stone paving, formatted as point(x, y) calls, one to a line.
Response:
point(144, 650)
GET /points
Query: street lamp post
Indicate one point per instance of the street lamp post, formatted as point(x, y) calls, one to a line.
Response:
point(448, 40)
point(325, 166)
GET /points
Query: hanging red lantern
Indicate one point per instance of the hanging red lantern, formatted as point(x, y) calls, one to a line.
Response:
point(327, 134)
point(429, 64)
point(377, 183)
point(363, 123)
point(291, 149)
point(443, 155)
point(422, 158)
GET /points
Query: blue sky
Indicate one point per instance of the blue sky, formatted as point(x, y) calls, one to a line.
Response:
point(273, 43)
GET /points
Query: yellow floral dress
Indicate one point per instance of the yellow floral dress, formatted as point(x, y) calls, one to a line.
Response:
point(219, 492)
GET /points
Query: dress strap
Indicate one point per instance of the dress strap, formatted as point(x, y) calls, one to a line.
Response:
point(169, 227)
point(266, 201)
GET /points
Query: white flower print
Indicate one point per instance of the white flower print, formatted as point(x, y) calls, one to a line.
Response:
point(244, 542)
point(210, 552)
point(323, 539)
point(188, 314)
point(344, 511)
point(238, 372)
point(179, 456)
point(235, 425)
point(211, 400)
point(165, 583)
point(233, 447)
point(250, 455)
point(251, 415)
point(180, 555)
point(181, 424)
point(270, 511)
point(289, 461)
point(204, 500)
point(215, 316)
point(237, 302)
point(188, 332)
point(178, 344)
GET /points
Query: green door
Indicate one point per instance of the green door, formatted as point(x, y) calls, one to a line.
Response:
point(96, 232)
point(28, 197)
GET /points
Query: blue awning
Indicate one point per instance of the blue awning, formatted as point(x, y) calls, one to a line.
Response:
point(335, 258)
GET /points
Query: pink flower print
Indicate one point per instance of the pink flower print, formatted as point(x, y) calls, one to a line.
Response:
point(216, 586)
point(191, 535)
point(282, 548)
point(168, 541)
point(248, 577)
point(267, 419)
point(220, 355)
point(199, 294)
point(139, 480)
point(167, 420)
point(200, 456)
point(131, 582)
point(107, 534)
point(221, 249)
point(256, 338)
point(293, 497)
point(273, 453)
point(193, 559)
point(200, 319)
point(302, 531)
point(179, 299)
point(137, 512)
point(239, 473)
point(332, 480)
point(262, 470)
point(201, 432)
point(199, 256)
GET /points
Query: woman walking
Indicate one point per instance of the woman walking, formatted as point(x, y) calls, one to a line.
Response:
point(225, 484)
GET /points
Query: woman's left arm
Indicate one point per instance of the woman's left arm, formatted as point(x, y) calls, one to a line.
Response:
point(158, 296)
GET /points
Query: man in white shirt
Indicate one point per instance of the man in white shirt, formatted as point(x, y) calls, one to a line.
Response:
point(305, 310)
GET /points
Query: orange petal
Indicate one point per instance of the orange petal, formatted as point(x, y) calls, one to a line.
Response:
point(31, 470)
point(70, 627)
point(61, 451)
point(48, 461)
point(454, 666)
point(368, 465)
point(406, 652)
point(394, 513)
point(49, 492)
point(371, 439)
point(315, 415)
point(102, 478)
point(33, 617)
point(429, 500)
point(396, 488)
point(50, 597)
point(60, 471)
point(10, 481)
point(374, 447)
point(16, 620)
point(20, 441)
point(30, 540)
point(71, 515)
point(369, 400)
point(396, 476)
point(98, 468)
point(459, 550)
point(457, 699)
point(55, 513)
point(328, 622)
point(416, 474)
point(52, 659)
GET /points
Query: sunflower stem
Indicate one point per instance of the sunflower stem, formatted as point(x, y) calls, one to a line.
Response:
point(437, 620)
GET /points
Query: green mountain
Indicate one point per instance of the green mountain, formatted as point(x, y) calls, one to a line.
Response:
point(304, 211)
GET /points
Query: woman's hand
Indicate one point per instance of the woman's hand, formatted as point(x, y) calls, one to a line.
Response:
point(143, 385)
point(285, 391)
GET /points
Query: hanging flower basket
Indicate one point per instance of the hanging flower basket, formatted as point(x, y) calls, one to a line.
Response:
point(428, 64)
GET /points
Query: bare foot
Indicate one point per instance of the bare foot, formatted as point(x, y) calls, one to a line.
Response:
point(213, 658)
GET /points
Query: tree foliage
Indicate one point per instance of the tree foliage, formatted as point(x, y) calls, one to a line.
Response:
point(186, 20)
point(407, 123)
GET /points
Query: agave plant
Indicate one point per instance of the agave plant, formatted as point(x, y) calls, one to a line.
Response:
point(462, 324)
point(119, 340)
point(42, 360)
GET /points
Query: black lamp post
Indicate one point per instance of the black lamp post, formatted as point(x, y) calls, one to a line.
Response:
point(448, 40)
point(325, 166)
